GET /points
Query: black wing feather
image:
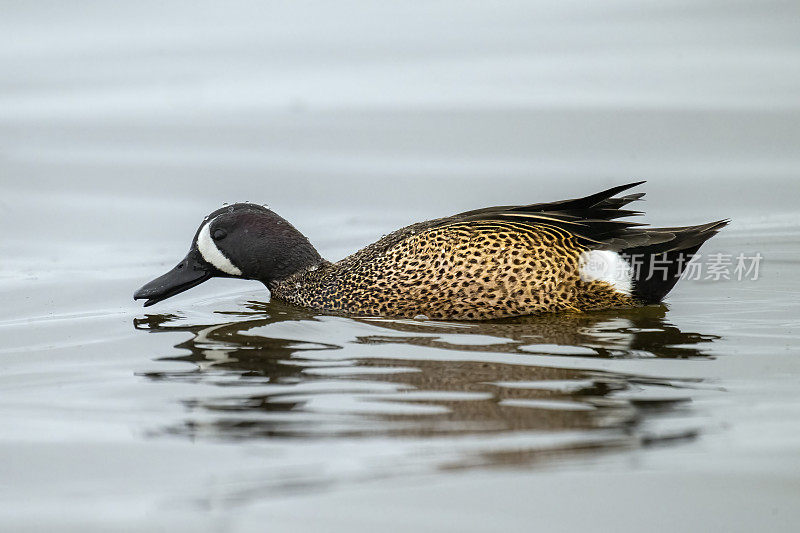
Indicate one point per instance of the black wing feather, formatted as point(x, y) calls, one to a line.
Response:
point(592, 219)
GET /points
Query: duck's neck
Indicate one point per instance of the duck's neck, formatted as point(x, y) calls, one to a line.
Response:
point(299, 258)
point(274, 249)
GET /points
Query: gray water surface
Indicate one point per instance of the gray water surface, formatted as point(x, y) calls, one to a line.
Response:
point(220, 410)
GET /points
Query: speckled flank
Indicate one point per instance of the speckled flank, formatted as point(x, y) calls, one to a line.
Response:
point(464, 270)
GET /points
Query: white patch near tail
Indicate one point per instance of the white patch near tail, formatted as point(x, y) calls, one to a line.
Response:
point(608, 266)
point(212, 254)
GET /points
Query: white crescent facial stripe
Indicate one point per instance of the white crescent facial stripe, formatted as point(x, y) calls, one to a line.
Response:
point(212, 254)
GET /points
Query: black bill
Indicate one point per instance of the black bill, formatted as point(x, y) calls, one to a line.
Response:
point(187, 274)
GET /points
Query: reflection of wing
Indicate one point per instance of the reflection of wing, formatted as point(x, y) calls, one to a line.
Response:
point(621, 333)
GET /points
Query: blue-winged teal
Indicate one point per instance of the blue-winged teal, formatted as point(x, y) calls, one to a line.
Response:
point(489, 263)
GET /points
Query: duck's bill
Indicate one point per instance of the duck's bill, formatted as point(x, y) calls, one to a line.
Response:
point(186, 274)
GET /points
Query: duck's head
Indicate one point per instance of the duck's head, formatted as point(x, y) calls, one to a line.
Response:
point(245, 241)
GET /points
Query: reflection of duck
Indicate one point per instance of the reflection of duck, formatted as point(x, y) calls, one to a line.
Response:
point(380, 392)
point(621, 333)
point(227, 345)
point(570, 255)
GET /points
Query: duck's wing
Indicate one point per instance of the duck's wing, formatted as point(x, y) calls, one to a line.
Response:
point(593, 219)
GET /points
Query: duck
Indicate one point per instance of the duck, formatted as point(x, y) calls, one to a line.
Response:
point(577, 255)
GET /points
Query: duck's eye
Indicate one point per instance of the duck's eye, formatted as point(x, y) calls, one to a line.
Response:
point(219, 234)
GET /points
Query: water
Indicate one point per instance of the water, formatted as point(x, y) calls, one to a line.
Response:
point(219, 410)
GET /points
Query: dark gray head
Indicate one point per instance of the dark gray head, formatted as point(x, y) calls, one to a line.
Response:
point(245, 241)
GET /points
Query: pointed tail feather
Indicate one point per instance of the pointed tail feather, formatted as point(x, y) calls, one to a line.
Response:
point(657, 267)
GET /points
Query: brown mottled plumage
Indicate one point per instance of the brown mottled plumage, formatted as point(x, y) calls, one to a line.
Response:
point(461, 270)
point(489, 263)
